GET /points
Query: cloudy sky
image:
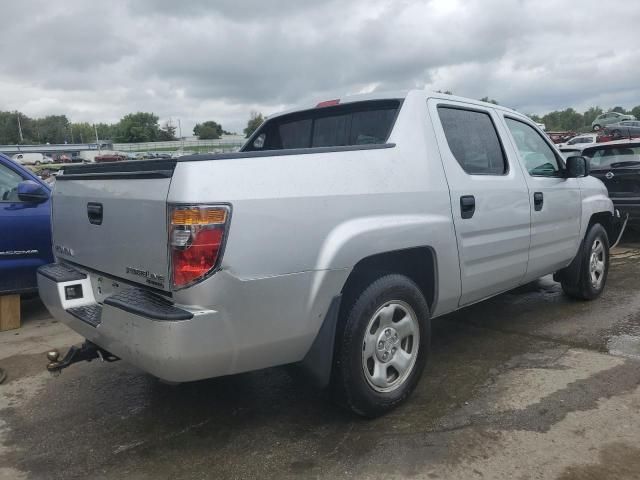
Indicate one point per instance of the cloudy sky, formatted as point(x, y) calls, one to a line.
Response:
point(220, 59)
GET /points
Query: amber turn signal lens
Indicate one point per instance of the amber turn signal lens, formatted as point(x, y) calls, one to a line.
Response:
point(199, 216)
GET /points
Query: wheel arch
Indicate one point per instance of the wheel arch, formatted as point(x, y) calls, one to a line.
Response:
point(572, 271)
point(417, 263)
point(607, 220)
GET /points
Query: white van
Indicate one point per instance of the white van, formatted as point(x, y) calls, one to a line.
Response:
point(30, 158)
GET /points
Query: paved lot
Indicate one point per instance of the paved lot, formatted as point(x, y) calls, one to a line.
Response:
point(528, 385)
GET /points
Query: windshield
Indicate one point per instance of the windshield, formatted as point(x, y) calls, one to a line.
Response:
point(606, 157)
point(360, 123)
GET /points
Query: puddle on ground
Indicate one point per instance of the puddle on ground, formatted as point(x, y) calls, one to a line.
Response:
point(624, 346)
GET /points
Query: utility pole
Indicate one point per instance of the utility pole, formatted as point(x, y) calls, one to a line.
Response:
point(180, 133)
point(97, 142)
point(71, 127)
point(20, 129)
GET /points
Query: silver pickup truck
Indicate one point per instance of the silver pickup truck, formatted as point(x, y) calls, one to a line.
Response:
point(329, 241)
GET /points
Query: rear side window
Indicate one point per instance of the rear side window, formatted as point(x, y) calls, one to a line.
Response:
point(473, 141)
point(360, 123)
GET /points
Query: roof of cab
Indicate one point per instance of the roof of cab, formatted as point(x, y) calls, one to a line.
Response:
point(399, 94)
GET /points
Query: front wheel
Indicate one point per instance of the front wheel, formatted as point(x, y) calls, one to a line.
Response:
point(596, 128)
point(383, 345)
point(594, 266)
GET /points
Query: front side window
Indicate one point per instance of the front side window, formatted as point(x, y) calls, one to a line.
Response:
point(359, 123)
point(9, 181)
point(539, 158)
point(473, 141)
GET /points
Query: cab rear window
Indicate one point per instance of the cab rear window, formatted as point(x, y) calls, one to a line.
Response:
point(359, 123)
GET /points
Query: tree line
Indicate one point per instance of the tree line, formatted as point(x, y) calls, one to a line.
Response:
point(18, 128)
point(571, 120)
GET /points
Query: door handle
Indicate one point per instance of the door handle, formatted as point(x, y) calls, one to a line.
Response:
point(538, 201)
point(467, 206)
point(94, 212)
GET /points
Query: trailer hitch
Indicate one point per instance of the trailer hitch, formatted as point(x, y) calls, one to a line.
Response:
point(86, 352)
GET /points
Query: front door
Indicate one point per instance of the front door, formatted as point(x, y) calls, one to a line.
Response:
point(556, 201)
point(25, 234)
point(489, 199)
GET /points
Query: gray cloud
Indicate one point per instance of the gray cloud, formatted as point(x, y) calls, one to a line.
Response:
point(199, 60)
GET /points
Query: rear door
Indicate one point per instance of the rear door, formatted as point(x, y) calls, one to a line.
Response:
point(489, 199)
point(556, 201)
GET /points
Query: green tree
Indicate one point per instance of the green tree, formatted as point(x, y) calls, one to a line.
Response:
point(618, 109)
point(590, 115)
point(635, 111)
point(255, 120)
point(83, 132)
point(167, 132)
point(52, 129)
point(106, 131)
point(208, 130)
point(535, 118)
point(563, 120)
point(138, 127)
point(9, 132)
point(489, 100)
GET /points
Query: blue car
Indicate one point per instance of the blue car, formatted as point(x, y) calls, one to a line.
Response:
point(25, 227)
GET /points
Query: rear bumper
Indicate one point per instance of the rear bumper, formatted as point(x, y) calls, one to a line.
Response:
point(172, 343)
point(222, 326)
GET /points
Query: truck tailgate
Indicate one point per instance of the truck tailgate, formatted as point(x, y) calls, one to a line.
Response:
point(112, 218)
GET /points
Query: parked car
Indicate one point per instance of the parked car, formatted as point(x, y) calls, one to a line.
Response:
point(560, 137)
point(25, 238)
point(28, 158)
point(579, 140)
point(617, 164)
point(110, 157)
point(626, 128)
point(329, 241)
point(605, 119)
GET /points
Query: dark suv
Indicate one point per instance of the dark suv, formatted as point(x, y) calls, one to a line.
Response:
point(617, 164)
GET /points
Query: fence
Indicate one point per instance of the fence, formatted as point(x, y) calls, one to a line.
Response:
point(228, 143)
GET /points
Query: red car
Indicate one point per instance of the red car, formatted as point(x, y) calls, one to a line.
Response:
point(110, 157)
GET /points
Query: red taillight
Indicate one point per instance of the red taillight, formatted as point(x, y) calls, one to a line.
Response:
point(196, 235)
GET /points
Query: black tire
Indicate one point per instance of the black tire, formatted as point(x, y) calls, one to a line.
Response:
point(349, 382)
point(583, 288)
point(596, 128)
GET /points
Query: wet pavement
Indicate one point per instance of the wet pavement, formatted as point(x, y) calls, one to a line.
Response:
point(527, 385)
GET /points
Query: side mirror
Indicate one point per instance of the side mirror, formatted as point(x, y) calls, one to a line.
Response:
point(32, 192)
point(577, 167)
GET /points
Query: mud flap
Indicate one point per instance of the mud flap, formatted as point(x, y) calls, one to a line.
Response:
point(318, 361)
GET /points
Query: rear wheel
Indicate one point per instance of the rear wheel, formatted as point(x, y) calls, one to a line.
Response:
point(594, 266)
point(382, 345)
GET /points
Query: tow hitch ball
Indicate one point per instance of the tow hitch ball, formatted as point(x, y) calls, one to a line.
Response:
point(85, 352)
